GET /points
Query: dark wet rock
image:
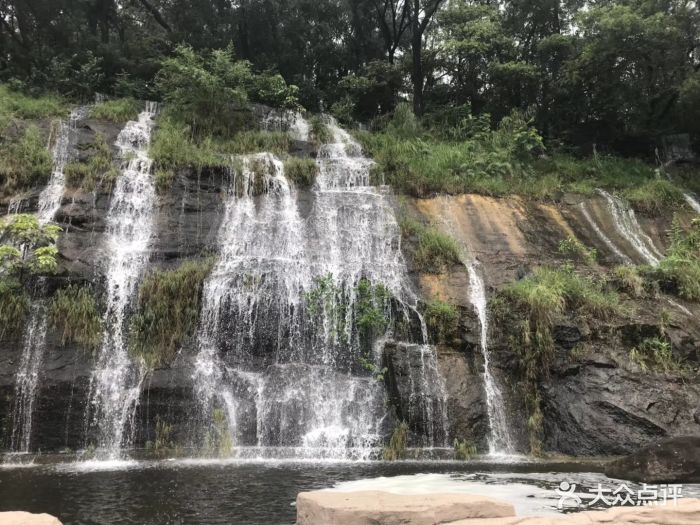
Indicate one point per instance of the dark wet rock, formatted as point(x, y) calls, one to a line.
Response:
point(674, 460)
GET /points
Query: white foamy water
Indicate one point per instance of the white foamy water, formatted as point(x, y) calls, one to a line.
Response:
point(284, 374)
point(116, 380)
point(500, 441)
point(601, 235)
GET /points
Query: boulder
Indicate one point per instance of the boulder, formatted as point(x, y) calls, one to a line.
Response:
point(685, 512)
point(673, 460)
point(383, 508)
point(27, 518)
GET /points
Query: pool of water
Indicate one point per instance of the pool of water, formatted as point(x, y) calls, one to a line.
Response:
point(193, 492)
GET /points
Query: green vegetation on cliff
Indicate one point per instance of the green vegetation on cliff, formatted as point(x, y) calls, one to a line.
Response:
point(98, 170)
point(168, 311)
point(117, 110)
point(302, 172)
point(442, 319)
point(679, 271)
point(25, 161)
point(430, 250)
point(27, 250)
point(542, 298)
point(74, 314)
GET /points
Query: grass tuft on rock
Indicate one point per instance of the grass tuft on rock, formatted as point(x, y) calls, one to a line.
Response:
point(97, 171)
point(168, 311)
point(24, 162)
point(302, 172)
point(442, 319)
point(117, 110)
point(174, 146)
point(14, 307)
point(430, 250)
point(655, 196)
point(396, 448)
point(74, 313)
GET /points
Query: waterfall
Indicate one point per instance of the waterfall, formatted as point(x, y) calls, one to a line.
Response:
point(116, 380)
point(692, 202)
point(626, 224)
point(601, 235)
point(287, 375)
point(499, 440)
point(291, 122)
point(50, 197)
point(34, 343)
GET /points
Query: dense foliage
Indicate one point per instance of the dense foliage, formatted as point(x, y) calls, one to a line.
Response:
point(617, 73)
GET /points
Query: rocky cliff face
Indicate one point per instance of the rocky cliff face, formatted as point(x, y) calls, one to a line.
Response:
point(596, 402)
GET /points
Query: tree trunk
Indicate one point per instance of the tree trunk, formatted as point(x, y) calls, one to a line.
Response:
point(417, 69)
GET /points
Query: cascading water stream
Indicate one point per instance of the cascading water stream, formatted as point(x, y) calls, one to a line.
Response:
point(692, 202)
point(500, 441)
point(626, 224)
point(116, 379)
point(285, 374)
point(601, 235)
point(34, 343)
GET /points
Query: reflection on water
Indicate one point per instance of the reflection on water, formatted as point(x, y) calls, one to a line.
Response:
point(193, 492)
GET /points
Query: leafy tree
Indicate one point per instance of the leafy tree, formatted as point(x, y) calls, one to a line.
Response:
point(209, 90)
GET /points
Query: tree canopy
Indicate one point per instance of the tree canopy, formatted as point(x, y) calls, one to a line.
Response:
point(617, 73)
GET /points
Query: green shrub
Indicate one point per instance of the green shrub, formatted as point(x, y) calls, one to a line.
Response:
point(655, 196)
point(75, 315)
point(29, 248)
point(97, 170)
point(431, 250)
point(24, 163)
point(442, 319)
point(168, 311)
point(320, 133)
point(117, 110)
point(574, 249)
point(209, 91)
point(396, 449)
point(302, 172)
point(681, 267)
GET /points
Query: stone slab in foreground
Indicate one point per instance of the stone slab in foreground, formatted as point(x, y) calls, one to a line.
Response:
point(375, 507)
point(384, 508)
point(27, 518)
point(686, 512)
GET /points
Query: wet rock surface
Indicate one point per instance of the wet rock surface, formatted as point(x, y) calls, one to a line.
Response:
point(674, 460)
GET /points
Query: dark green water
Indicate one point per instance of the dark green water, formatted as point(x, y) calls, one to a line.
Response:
point(260, 493)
